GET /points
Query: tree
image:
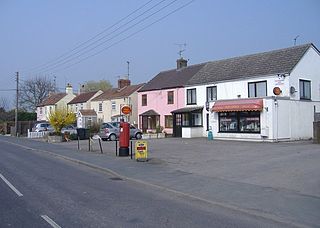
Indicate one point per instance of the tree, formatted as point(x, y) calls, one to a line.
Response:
point(61, 118)
point(4, 104)
point(103, 85)
point(34, 91)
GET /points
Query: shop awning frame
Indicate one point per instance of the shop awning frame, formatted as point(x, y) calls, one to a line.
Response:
point(238, 105)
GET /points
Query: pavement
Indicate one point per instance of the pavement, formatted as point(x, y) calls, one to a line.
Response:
point(277, 181)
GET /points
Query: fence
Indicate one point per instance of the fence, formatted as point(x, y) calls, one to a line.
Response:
point(41, 134)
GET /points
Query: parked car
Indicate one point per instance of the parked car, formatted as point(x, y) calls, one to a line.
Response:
point(69, 129)
point(39, 127)
point(134, 132)
point(108, 132)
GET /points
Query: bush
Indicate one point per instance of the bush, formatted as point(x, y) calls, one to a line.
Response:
point(61, 118)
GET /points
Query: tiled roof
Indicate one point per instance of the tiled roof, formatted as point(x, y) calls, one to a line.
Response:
point(116, 93)
point(172, 78)
point(88, 112)
point(261, 64)
point(83, 97)
point(188, 109)
point(150, 112)
point(52, 99)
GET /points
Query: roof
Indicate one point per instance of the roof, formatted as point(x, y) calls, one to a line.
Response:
point(87, 112)
point(150, 112)
point(188, 109)
point(115, 93)
point(52, 99)
point(172, 78)
point(83, 97)
point(261, 64)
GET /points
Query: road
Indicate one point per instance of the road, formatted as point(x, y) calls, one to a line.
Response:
point(39, 190)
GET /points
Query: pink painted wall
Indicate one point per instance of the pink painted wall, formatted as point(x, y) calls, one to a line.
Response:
point(158, 101)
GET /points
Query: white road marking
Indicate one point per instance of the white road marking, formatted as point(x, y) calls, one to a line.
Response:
point(10, 185)
point(50, 221)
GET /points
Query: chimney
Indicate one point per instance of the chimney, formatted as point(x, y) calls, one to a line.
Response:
point(69, 89)
point(181, 63)
point(123, 83)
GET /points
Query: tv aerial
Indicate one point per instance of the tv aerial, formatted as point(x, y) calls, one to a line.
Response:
point(182, 48)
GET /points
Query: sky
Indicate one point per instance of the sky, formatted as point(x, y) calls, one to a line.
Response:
point(76, 41)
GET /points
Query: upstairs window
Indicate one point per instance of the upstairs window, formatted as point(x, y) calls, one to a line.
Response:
point(170, 97)
point(191, 96)
point(257, 89)
point(144, 100)
point(113, 105)
point(211, 93)
point(305, 89)
point(100, 107)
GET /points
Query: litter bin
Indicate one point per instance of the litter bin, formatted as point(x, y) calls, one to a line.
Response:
point(83, 133)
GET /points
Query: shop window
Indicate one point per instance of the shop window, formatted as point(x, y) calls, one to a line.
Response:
point(211, 93)
point(239, 122)
point(191, 96)
point(170, 97)
point(185, 120)
point(144, 100)
point(257, 89)
point(168, 121)
point(305, 89)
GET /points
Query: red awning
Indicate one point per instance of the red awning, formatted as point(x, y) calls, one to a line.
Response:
point(238, 105)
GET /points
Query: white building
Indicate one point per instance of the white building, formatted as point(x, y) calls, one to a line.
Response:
point(53, 102)
point(235, 99)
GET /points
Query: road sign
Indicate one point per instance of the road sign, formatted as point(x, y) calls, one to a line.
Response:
point(126, 110)
point(141, 150)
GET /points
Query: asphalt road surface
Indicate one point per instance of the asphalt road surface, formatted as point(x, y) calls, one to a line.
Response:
point(39, 190)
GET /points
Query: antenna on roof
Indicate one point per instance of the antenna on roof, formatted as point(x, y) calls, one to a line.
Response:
point(128, 68)
point(182, 48)
point(295, 40)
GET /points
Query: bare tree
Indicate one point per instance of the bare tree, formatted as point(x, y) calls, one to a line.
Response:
point(34, 91)
point(4, 103)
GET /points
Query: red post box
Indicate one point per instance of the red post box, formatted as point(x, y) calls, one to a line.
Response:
point(124, 139)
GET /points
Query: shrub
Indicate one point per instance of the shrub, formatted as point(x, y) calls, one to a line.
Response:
point(61, 118)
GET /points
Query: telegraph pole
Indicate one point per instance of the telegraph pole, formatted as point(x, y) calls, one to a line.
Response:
point(17, 105)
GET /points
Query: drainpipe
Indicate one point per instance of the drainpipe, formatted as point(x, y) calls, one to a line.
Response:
point(276, 105)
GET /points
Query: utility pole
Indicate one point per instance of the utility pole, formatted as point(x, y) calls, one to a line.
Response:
point(17, 104)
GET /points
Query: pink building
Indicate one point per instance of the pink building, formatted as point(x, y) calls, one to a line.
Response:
point(162, 95)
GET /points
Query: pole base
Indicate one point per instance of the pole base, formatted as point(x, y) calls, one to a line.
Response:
point(123, 151)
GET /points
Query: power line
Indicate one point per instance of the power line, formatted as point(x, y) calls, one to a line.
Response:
point(61, 62)
point(92, 38)
point(129, 36)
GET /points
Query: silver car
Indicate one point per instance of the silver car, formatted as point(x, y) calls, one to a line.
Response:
point(134, 132)
point(39, 127)
point(108, 131)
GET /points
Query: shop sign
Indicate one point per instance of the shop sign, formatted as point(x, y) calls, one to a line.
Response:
point(126, 110)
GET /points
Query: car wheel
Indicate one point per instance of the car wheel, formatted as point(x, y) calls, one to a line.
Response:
point(138, 136)
point(112, 137)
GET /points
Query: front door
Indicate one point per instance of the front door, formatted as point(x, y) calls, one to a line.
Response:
point(177, 125)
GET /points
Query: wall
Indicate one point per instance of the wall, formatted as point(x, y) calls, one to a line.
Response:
point(157, 100)
point(191, 132)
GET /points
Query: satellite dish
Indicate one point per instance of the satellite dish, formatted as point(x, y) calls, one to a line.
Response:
point(292, 90)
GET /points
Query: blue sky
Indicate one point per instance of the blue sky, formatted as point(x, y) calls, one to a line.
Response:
point(34, 32)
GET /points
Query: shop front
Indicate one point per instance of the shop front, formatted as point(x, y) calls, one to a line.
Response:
point(241, 116)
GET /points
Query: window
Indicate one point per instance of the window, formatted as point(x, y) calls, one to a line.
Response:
point(168, 121)
point(76, 108)
point(100, 107)
point(196, 119)
point(305, 89)
point(257, 89)
point(211, 93)
point(113, 105)
point(40, 110)
point(191, 96)
point(241, 122)
point(144, 100)
point(81, 106)
point(170, 97)
point(185, 119)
